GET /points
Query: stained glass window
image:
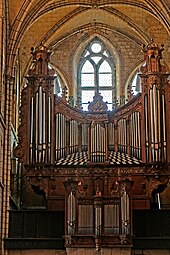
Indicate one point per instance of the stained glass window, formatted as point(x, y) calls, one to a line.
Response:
point(96, 74)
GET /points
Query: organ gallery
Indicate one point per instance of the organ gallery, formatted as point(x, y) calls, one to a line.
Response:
point(96, 165)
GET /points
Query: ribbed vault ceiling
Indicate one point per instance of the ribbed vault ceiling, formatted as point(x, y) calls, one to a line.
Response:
point(66, 22)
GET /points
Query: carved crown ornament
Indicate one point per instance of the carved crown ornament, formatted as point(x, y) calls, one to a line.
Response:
point(40, 62)
point(97, 105)
point(153, 56)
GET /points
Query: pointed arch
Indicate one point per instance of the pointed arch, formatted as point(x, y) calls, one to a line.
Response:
point(96, 73)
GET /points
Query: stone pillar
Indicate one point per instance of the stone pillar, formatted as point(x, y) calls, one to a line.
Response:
point(7, 156)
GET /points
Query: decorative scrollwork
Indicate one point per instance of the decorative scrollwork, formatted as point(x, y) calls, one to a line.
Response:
point(97, 105)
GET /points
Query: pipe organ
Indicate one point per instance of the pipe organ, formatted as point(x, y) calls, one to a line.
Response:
point(104, 163)
point(81, 134)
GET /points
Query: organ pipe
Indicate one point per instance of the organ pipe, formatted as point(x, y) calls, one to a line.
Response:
point(155, 124)
point(71, 202)
point(98, 143)
point(89, 142)
point(38, 127)
point(125, 213)
point(132, 133)
point(136, 135)
point(155, 114)
point(44, 128)
point(135, 142)
point(73, 136)
point(111, 136)
point(139, 135)
point(79, 137)
point(40, 114)
point(32, 129)
point(98, 214)
point(84, 137)
point(146, 127)
point(122, 141)
point(98, 221)
point(71, 214)
point(60, 142)
point(164, 127)
point(125, 192)
point(49, 129)
point(106, 138)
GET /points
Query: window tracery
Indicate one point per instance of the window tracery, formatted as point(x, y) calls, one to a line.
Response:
point(96, 75)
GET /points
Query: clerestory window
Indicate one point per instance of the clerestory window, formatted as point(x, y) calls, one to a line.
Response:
point(96, 74)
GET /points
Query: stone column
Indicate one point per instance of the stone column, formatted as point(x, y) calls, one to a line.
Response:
point(7, 156)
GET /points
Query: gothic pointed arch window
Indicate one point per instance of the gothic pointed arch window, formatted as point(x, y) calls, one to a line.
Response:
point(96, 74)
point(136, 84)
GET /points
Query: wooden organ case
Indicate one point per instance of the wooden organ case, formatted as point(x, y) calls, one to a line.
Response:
point(101, 163)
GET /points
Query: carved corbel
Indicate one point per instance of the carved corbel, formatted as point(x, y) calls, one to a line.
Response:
point(52, 185)
point(21, 149)
point(68, 240)
point(114, 189)
point(154, 79)
point(124, 240)
point(71, 186)
point(154, 183)
point(39, 185)
point(83, 188)
point(98, 243)
point(125, 185)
